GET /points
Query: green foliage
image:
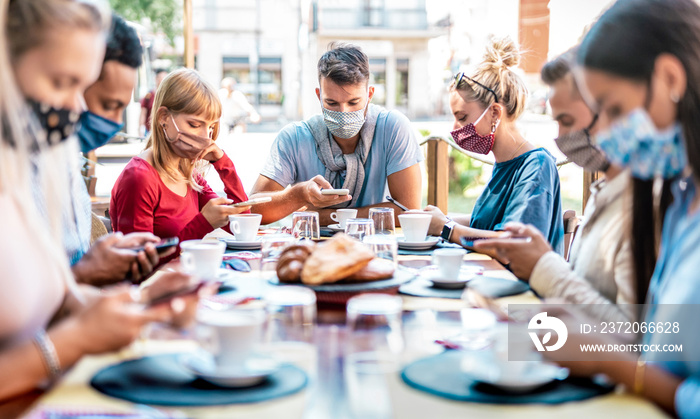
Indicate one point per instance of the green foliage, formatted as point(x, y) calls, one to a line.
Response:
point(164, 15)
point(424, 132)
point(464, 172)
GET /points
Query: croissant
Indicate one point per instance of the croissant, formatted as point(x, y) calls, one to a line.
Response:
point(334, 260)
point(291, 262)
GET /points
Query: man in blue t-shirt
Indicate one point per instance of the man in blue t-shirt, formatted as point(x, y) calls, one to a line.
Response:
point(352, 145)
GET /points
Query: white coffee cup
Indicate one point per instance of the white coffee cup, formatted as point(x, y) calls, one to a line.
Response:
point(230, 335)
point(415, 226)
point(245, 226)
point(202, 257)
point(341, 216)
point(449, 262)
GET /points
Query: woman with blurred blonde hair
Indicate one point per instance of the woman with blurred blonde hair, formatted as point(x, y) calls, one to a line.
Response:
point(162, 190)
point(50, 51)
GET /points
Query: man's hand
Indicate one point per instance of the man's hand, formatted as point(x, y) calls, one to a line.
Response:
point(110, 259)
point(311, 193)
point(522, 251)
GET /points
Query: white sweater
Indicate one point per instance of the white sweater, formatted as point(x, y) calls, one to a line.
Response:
point(599, 270)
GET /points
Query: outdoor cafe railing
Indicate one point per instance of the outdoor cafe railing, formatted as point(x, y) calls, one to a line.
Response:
point(438, 168)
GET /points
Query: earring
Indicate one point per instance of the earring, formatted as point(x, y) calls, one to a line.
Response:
point(493, 127)
point(675, 98)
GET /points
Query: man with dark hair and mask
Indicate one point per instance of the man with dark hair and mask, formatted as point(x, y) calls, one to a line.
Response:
point(109, 259)
point(599, 272)
point(352, 145)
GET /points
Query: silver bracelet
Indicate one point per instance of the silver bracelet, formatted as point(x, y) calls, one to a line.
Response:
point(48, 354)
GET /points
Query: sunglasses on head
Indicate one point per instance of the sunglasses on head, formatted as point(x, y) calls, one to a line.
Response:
point(461, 76)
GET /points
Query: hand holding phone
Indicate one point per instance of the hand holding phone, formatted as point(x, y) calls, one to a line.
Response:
point(161, 246)
point(253, 201)
point(339, 192)
point(169, 296)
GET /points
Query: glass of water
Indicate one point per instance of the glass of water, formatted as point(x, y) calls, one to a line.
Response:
point(272, 246)
point(358, 228)
point(372, 354)
point(305, 225)
point(383, 219)
point(383, 246)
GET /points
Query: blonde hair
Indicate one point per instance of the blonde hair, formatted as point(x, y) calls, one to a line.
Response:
point(32, 173)
point(183, 91)
point(495, 73)
point(30, 20)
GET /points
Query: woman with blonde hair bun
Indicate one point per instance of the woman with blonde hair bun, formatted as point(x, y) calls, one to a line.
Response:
point(162, 190)
point(524, 186)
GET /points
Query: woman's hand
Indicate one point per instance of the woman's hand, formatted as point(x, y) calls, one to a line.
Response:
point(183, 308)
point(522, 250)
point(211, 153)
point(217, 210)
point(113, 321)
point(437, 223)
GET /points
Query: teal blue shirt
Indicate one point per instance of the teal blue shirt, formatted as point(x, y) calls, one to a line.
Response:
point(524, 189)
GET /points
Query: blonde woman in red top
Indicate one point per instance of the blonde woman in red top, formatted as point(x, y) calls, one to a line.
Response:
point(162, 190)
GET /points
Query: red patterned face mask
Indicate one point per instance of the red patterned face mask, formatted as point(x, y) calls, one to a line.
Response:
point(469, 139)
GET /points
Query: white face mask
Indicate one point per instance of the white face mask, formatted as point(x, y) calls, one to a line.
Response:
point(344, 124)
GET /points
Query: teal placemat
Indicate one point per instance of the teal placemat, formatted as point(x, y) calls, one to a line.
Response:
point(162, 380)
point(440, 375)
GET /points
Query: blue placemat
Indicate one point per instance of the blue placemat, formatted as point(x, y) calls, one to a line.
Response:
point(162, 380)
point(427, 252)
point(494, 287)
point(420, 287)
point(441, 375)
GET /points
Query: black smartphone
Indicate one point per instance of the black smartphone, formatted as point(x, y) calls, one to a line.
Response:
point(161, 246)
point(184, 292)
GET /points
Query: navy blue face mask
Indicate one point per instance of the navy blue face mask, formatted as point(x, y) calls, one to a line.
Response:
point(95, 131)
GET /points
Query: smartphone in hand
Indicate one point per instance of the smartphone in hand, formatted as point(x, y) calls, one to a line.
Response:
point(169, 296)
point(253, 201)
point(162, 246)
point(339, 192)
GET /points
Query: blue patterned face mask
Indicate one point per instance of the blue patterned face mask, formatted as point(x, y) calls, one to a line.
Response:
point(635, 142)
point(344, 124)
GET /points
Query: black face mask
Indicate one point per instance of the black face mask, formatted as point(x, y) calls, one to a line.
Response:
point(56, 124)
point(578, 148)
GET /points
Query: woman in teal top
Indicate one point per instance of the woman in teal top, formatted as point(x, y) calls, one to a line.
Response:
point(524, 186)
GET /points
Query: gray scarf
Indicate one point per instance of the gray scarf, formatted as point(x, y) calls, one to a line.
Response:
point(335, 161)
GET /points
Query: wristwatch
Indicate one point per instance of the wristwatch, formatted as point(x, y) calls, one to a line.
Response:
point(447, 229)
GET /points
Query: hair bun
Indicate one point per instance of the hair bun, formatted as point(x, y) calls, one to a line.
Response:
point(501, 53)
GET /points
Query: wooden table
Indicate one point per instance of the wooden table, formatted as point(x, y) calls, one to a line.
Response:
point(327, 395)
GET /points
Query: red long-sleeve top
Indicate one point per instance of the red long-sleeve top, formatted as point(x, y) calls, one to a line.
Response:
point(141, 201)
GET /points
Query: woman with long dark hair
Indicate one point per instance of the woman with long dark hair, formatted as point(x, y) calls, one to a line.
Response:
point(642, 69)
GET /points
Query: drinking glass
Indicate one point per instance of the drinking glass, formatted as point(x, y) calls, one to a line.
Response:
point(383, 246)
point(383, 219)
point(358, 228)
point(305, 225)
point(372, 357)
point(291, 313)
point(272, 246)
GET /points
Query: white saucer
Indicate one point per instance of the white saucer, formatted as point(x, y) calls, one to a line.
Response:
point(422, 245)
point(534, 375)
point(255, 370)
point(466, 274)
point(336, 227)
point(243, 245)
